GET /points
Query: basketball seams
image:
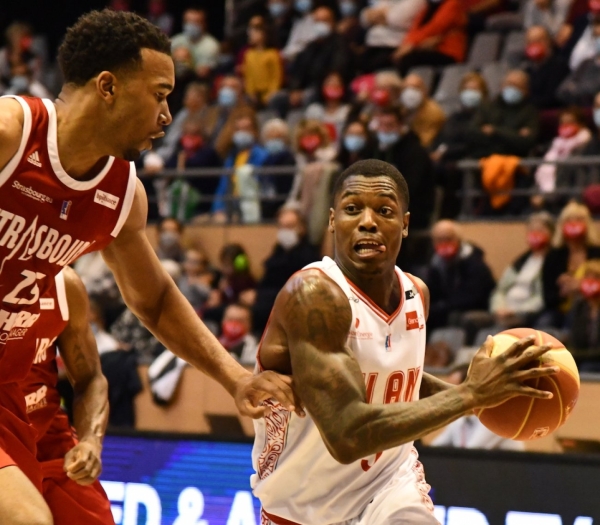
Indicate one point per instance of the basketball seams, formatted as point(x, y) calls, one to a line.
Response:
point(528, 413)
point(560, 401)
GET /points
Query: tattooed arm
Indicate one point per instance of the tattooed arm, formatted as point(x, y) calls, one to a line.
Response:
point(90, 406)
point(315, 316)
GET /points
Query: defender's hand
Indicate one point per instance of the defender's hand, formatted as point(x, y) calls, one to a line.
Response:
point(83, 463)
point(252, 391)
point(493, 380)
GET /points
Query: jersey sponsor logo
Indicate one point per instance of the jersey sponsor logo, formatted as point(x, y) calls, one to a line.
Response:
point(64, 210)
point(412, 320)
point(47, 303)
point(37, 399)
point(34, 159)
point(30, 192)
point(42, 346)
point(106, 199)
point(45, 243)
point(359, 334)
point(14, 325)
point(409, 294)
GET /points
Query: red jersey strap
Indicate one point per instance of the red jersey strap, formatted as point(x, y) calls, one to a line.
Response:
point(27, 121)
point(276, 519)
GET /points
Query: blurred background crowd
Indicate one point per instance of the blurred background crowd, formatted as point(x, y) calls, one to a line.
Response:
point(489, 108)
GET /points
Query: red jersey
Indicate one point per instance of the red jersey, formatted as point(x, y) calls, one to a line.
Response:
point(47, 220)
point(39, 387)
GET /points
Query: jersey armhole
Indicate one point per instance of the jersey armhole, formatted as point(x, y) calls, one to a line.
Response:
point(61, 295)
point(10, 168)
point(414, 281)
point(127, 201)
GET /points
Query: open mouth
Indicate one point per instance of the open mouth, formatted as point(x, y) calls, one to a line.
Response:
point(367, 248)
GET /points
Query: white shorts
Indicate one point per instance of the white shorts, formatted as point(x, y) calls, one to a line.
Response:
point(403, 501)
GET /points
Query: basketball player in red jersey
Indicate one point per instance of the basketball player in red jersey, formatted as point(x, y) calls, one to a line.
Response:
point(67, 188)
point(352, 331)
point(70, 466)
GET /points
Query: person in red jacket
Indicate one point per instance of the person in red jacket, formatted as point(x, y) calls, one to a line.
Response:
point(438, 37)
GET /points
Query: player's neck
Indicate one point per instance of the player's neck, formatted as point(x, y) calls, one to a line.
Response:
point(383, 288)
point(80, 147)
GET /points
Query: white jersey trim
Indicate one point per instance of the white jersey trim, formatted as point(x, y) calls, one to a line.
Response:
point(10, 168)
point(61, 294)
point(127, 201)
point(60, 172)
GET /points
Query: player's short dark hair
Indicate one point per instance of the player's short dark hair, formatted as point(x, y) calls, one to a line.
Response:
point(374, 168)
point(107, 41)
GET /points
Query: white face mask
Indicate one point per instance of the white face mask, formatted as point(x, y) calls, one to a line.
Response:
point(287, 238)
point(411, 98)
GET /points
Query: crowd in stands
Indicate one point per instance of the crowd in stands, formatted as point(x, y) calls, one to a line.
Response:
point(311, 86)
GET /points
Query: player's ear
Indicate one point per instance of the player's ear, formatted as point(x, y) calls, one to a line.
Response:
point(405, 221)
point(106, 86)
point(330, 227)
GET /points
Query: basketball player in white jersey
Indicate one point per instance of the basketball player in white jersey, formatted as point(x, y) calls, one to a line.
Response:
point(352, 332)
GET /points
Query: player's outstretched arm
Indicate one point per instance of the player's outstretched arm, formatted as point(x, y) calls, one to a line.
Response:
point(79, 352)
point(154, 298)
point(11, 129)
point(315, 315)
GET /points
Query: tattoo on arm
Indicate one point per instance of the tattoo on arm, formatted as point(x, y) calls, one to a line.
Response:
point(431, 385)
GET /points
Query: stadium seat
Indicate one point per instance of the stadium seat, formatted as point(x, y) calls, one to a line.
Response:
point(512, 53)
point(294, 117)
point(447, 92)
point(494, 74)
point(427, 73)
point(485, 49)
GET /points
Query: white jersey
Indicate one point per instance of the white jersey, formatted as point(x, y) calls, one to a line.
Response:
point(296, 477)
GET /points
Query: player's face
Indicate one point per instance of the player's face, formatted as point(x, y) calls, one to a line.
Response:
point(142, 110)
point(368, 222)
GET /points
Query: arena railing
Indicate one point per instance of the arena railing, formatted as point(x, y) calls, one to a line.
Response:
point(572, 176)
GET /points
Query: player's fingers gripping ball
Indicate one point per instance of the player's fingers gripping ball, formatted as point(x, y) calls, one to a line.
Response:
point(524, 418)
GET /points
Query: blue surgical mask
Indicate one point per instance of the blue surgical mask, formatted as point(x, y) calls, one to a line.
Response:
point(411, 98)
point(511, 95)
point(277, 9)
point(275, 146)
point(387, 138)
point(192, 31)
point(321, 29)
point(470, 98)
point(347, 8)
point(597, 117)
point(354, 143)
point(19, 83)
point(243, 139)
point(227, 96)
point(303, 6)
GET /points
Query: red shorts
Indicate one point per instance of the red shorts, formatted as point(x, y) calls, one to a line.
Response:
point(17, 436)
point(71, 503)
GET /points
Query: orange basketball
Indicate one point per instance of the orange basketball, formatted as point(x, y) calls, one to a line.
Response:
point(524, 418)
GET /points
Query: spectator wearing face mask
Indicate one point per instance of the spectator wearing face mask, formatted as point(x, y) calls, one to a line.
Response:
point(23, 48)
point(349, 25)
point(23, 83)
point(356, 145)
point(575, 241)
point(291, 253)
point(581, 86)
point(197, 278)
point(584, 320)
point(220, 116)
point(263, 72)
point(399, 146)
point(202, 46)
point(507, 125)
point(275, 137)
point(159, 16)
point(438, 37)
point(452, 144)
point(303, 30)
point(387, 23)
point(458, 277)
point(281, 18)
point(331, 109)
point(328, 52)
point(518, 298)
point(245, 152)
point(236, 334)
point(592, 148)
point(545, 67)
point(169, 240)
point(572, 137)
point(581, 44)
point(423, 114)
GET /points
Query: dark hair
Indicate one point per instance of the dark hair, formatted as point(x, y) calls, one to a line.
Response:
point(107, 41)
point(395, 111)
point(576, 112)
point(374, 168)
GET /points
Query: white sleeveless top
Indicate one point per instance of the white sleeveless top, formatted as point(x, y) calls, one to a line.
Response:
point(296, 477)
